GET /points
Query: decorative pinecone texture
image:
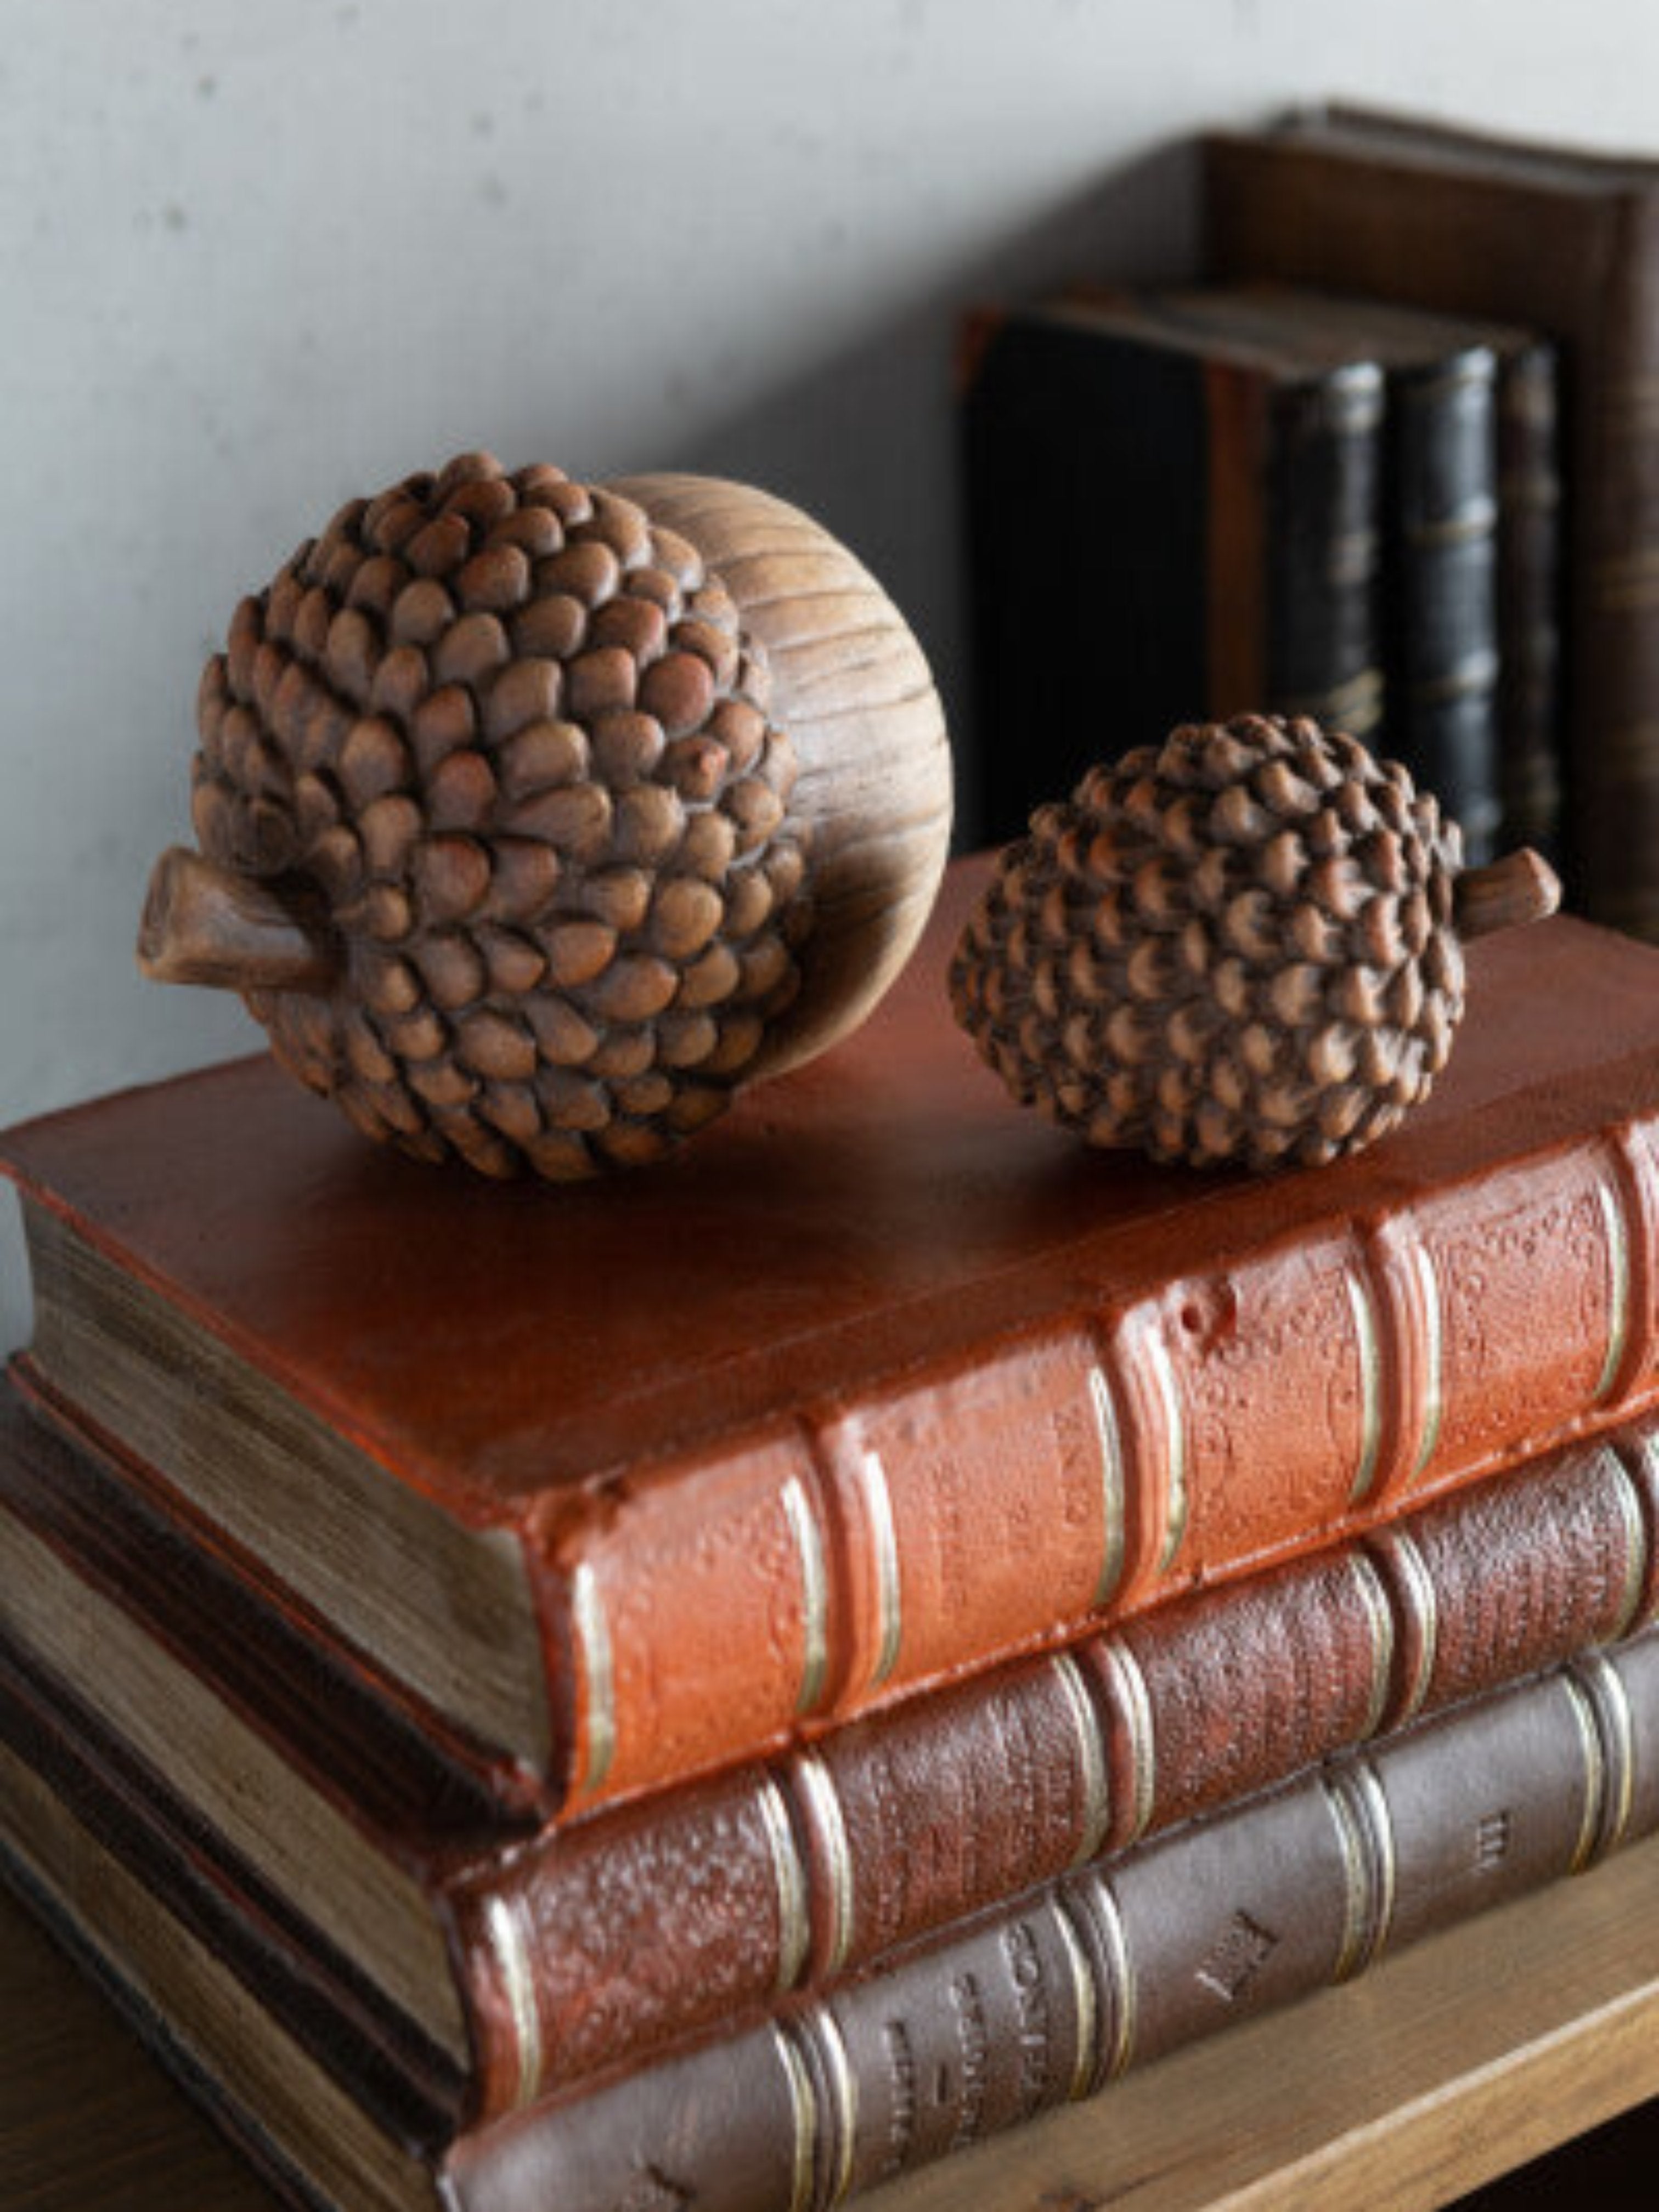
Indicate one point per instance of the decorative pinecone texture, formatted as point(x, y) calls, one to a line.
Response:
point(1236, 946)
point(509, 740)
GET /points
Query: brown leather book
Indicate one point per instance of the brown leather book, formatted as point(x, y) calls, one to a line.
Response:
point(1045, 2001)
point(1050, 2002)
point(1439, 217)
point(885, 1381)
point(228, 1762)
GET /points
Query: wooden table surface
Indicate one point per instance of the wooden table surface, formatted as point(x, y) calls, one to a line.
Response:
point(1446, 2066)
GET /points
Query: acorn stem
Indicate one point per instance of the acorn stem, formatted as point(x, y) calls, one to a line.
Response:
point(205, 924)
point(1521, 887)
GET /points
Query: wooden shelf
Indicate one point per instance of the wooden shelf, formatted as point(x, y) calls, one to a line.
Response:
point(1441, 2070)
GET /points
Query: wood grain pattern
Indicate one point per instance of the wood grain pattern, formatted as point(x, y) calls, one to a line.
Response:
point(852, 686)
point(1454, 2063)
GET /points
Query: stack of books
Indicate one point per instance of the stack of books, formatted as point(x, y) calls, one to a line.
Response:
point(1391, 465)
point(724, 1687)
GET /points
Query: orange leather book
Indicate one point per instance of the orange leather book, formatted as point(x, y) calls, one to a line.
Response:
point(883, 1381)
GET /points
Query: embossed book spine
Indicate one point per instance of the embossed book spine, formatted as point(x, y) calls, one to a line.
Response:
point(1569, 243)
point(1442, 717)
point(578, 1950)
point(1052, 2000)
point(1529, 593)
point(952, 1392)
point(1198, 520)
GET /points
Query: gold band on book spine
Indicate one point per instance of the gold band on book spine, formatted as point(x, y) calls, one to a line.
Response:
point(814, 1596)
point(803, 2108)
point(1084, 2005)
point(1417, 1586)
point(1110, 1438)
point(1428, 1288)
point(1176, 1502)
point(821, 1802)
point(817, 2026)
point(1374, 1596)
point(1134, 1712)
point(1360, 1810)
point(1371, 1386)
point(1096, 1807)
point(1605, 1687)
point(1597, 1774)
point(1616, 1239)
point(794, 1919)
point(592, 1636)
point(1636, 1539)
point(517, 1972)
point(889, 1607)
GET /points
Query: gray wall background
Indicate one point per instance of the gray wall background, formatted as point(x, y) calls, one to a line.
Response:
point(253, 260)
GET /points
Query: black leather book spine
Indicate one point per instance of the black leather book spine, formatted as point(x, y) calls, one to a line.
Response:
point(1159, 532)
point(1085, 457)
point(1324, 551)
point(1529, 627)
point(1442, 509)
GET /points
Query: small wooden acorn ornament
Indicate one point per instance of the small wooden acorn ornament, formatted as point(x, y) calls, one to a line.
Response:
point(536, 818)
point(1240, 947)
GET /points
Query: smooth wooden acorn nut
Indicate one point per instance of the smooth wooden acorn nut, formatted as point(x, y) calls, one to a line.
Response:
point(535, 818)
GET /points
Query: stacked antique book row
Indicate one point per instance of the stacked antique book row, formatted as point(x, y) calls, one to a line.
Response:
point(522, 1723)
point(1385, 468)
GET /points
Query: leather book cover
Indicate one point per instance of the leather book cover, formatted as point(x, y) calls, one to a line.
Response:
point(1206, 516)
point(1440, 517)
point(1048, 2002)
point(1531, 574)
point(570, 1951)
point(1567, 243)
point(884, 1381)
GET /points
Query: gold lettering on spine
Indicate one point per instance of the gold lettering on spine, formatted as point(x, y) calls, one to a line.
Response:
point(1595, 1773)
point(1428, 1289)
point(1134, 1710)
point(1371, 1386)
point(890, 1614)
point(1092, 1756)
point(592, 1634)
point(814, 1596)
point(794, 1923)
point(1375, 1598)
point(1111, 1485)
point(1602, 1679)
point(1425, 1608)
point(824, 1815)
point(804, 2111)
point(1618, 1248)
point(1176, 1501)
point(518, 1979)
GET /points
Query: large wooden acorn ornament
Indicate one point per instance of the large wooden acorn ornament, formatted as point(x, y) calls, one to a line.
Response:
point(536, 817)
point(1241, 946)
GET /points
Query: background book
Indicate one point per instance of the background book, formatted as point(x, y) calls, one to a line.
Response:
point(1001, 1390)
point(1165, 525)
point(1568, 244)
point(1470, 559)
